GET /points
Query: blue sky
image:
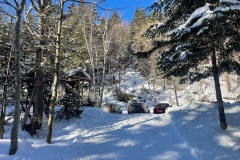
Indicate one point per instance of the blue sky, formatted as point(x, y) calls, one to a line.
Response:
point(125, 8)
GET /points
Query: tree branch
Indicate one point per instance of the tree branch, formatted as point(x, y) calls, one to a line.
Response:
point(9, 4)
point(5, 12)
point(34, 5)
point(16, 3)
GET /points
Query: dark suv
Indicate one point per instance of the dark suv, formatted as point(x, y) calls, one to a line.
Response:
point(111, 108)
point(137, 108)
point(160, 108)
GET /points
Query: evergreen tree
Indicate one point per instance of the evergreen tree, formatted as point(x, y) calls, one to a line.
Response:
point(115, 19)
point(210, 32)
point(173, 13)
point(137, 27)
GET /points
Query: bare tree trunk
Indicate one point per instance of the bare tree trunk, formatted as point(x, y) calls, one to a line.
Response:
point(106, 42)
point(229, 87)
point(28, 110)
point(56, 76)
point(220, 105)
point(238, 76)
point(36, 121)
point(17, 51)
point(238, 81)
point(3, 110)
point(175, 90)
point(88, 37)
point(154, 88)
point(164, 84)
point(4, 103)
point(103, 76)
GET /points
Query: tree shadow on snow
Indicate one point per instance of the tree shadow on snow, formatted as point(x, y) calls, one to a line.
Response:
point(200, 126)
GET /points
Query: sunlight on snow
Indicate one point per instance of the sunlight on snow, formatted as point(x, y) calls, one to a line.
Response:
point(225, 141)
point(233, 109)
point(99, 139)
point(101, 156)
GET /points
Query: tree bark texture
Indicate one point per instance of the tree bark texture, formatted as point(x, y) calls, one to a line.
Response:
point(28, 110)
point(175, 91)
point(36, 121)
point(228, 81)
point(14, 131)
point(56, 76)
point(220, 105)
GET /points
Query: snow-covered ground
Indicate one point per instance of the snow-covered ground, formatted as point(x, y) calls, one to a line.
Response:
point(190, 131)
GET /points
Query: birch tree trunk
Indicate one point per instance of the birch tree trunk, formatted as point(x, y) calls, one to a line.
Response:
point(175, 91)
point(220, 105)
point(229, 86)
point(14, 131)
point(106, 42)
point(89, 38)
point(56, 76)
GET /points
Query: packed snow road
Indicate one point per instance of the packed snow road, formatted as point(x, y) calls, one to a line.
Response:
point(102, 136)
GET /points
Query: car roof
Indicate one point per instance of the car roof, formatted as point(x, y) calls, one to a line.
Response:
point(110, 103)
point(136, 103)
point(104, 104)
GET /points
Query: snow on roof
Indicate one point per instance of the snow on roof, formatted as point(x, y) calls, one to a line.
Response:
point(76, 70)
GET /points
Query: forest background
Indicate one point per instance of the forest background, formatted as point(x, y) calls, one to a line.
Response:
point(49, 56)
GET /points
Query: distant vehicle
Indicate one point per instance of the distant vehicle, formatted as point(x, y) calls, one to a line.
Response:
point(160, 108)
point(111, 108)
point(137, 108)
point(138, 100)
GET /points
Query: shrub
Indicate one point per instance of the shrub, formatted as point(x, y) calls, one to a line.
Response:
point(122, 96)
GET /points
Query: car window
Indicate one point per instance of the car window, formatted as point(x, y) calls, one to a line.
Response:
point(162, 105)
point(137, 105)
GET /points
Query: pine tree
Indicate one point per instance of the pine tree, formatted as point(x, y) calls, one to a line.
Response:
point(201, 38)
point(137, 26)
point(173, 13)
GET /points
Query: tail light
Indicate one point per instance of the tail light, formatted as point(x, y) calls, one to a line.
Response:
point(158, 110)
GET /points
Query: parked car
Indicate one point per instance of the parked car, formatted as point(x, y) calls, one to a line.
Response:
point(138, 100)
point(111, 108)
point(160, 108)
point(137, 108)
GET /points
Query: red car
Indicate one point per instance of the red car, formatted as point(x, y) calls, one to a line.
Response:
point(160, 108)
